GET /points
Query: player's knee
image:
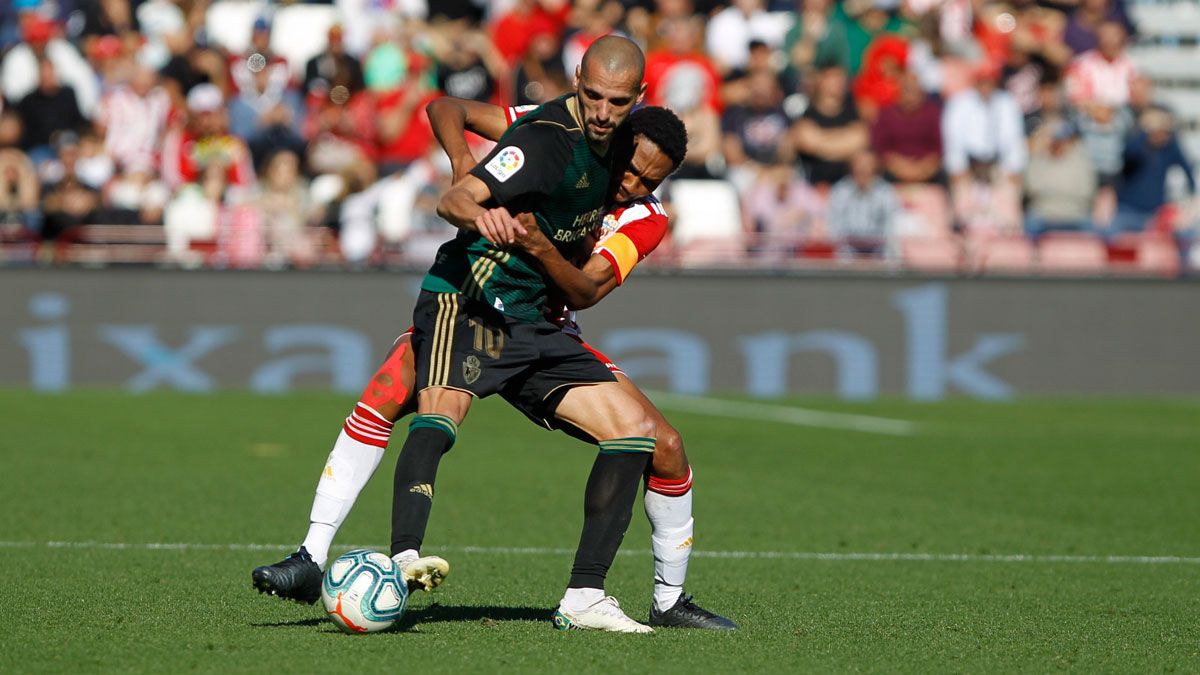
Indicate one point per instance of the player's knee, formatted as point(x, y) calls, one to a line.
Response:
point(642, 425)
point(668, 443)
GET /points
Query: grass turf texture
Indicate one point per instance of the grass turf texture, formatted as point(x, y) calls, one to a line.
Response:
point(1034, 477)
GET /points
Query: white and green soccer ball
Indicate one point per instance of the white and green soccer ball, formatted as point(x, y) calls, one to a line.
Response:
point(362, 591)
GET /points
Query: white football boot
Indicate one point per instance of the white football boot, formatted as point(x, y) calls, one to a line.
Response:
point(605, 615)
point(421, 573)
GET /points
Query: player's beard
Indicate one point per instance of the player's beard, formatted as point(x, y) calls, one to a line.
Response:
point(590, 131)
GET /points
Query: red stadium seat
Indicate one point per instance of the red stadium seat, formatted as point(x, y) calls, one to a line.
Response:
point(1007, 255)
point(1158, 255)
point(817, 249)
point(931, 254)
point(1069, 252)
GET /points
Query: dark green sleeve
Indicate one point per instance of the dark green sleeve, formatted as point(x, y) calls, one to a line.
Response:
point(529, 161)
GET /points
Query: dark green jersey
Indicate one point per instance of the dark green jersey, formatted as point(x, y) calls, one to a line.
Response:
point(544, 165)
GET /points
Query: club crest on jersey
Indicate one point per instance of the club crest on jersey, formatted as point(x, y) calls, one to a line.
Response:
point(608, 225)
point(506, 163)
point(472, 369)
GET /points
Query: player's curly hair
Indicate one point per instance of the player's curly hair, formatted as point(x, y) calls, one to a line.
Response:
point(663, 129)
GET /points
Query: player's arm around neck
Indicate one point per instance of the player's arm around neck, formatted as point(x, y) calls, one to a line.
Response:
point(452, 117)
point(580, 288)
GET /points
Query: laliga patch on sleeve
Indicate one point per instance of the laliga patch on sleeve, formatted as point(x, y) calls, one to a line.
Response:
point(506, 163)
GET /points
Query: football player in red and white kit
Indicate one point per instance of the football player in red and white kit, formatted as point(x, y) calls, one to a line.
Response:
point(630, 232)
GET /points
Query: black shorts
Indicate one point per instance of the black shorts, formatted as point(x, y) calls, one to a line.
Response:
point(464, 344)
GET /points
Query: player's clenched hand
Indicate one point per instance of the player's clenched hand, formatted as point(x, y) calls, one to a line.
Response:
point(499, 226)
point(533, 240)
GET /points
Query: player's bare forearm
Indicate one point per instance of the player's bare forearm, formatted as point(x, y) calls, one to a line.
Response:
point(462, 207)
point(580, 288)
point(452, 117)
point(458, 209)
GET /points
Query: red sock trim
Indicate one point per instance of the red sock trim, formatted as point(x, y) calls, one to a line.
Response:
point(670, 487)
point(365, 425)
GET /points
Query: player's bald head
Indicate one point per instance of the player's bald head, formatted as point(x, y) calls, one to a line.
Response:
point(616, 56)
point(608, 84)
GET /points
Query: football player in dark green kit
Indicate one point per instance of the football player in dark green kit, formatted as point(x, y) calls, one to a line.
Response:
point(479, 328)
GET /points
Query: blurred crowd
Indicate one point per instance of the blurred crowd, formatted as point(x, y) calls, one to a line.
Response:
point(822, 129)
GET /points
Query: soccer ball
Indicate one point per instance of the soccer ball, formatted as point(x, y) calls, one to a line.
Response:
point(362, 591)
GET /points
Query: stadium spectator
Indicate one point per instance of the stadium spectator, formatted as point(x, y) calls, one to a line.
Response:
point(540, 76)
point(526, 21)
point(1051, 106)
point(1082, 31)
point(136, 196)
point(164, 29)
point(781, 212)
point(684, 90)
point(341, 129)
point(1031, 60)
point(104, 18)
point(68, 202)
point(333, 68)
point(1150, 153)
point(1104, 130)
point(811, 39)
point(205, 144)
point(985, 153)
point(259, 57)
point(282, 203)
point(736, 88)
point(756, 134)
point(593, 22)
point(1142, 96)
point(20, 73)
point(863, 209)
point(405, 134)
point(1038, 34)
point(48, 109)
point(829, 132)
point(1060, 183)
point(907, 136)
point(854, 25)
point(19, 188)
point(878, 84)
point(468, 66)
point(266, 109)
point(731, 30)
point(81, 153)
point(680, 50)
point(133, 118)
point(1102, 76)
point(191, 65)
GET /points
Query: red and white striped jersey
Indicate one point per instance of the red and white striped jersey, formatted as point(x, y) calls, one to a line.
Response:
point(627, 235)
point(1091, 78)
point(514, 112)
point(631, 232)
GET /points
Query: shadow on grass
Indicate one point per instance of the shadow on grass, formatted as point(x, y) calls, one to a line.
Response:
point(438, 613)
point(314, 621)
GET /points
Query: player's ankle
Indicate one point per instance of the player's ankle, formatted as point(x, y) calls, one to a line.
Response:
point(576, 599)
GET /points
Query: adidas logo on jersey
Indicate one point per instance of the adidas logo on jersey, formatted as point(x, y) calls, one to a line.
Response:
point(583, 182)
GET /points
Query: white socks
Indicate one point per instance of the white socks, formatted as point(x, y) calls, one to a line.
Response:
point(671, 532)
point(579, 599)
point(355, 456)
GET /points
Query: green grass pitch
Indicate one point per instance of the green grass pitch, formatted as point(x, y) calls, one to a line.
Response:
point(1083, 478)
